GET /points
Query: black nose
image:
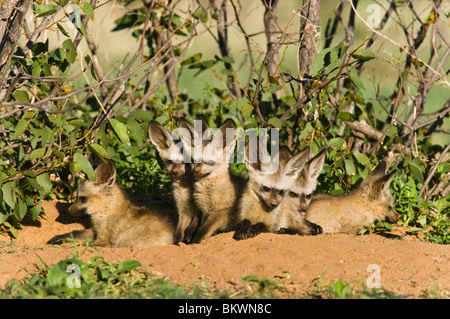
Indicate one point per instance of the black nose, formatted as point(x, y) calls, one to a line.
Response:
point(273, 205)
point(174, 173)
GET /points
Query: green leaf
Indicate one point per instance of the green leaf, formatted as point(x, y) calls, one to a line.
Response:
point(59, 54)
point(362, 159)
point(193, 59)
point(336, 142)
point(363, 55)
point(353, 74)
point(3, 218)
point(319, 61)
point(346, 116)
point(45, 10)
point(98, 150)
point(198, 13)
point(88, 10)
point(416, 172)
point(71, 50)
point(7, 194)
point(44, 181)
point(349, 167)
point(20, 128)
point(21, 96)
point(128, 266)
point(121, 131)
point(37, 153)
point(275, 122)
point(161, 119)
point(274, 88)
point(21, 209)
point(135, 130)
point(63, 31)
point(82, 164)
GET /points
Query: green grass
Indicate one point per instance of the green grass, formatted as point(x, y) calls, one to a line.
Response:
point(100, 279)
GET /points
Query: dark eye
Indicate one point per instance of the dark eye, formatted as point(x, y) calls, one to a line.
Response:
point(83, 199)
point(292, 194)
point(280, 192)
point(390, 207)
point(308, 196)
point(170, 161)
point(265, 188)
point(209, 162)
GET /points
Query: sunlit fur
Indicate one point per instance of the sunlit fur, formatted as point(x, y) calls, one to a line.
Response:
point(177, 164)
point(370, 202)
point(259, 207)
point(116, 221)
point(216, 189)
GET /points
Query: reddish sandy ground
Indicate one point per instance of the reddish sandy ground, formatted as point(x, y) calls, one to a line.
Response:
point(407, 265)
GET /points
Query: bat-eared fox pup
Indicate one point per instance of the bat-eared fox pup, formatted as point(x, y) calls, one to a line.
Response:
point(216, 189)
point(116, 221)
point(370, 202)
point(298, 198)
point(269, 181)
point(179, 169)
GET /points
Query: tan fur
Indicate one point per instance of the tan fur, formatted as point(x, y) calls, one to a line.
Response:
point(259, 206)
point(116, 221)
point(370, 202)
point(179, 169)
point(297, 200)
point(216, 189)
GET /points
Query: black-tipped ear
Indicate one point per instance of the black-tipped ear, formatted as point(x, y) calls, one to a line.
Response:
point(297, 162)
point(106, 173)
point(159, 136)
point(226, 125)
point(380, 169)
point(381, 184)
point(284, 154)
point(314, 166)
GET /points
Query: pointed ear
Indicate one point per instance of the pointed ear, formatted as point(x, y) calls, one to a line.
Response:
point(228, 127)
point(106, 173)
point(186, 132)
point(296, 163)
point(379, 170)
point(314, 166)
point(159, 136)
point(284, 154)
point(381, 184)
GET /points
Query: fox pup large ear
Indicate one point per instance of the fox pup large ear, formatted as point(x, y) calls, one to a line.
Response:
point(225, 136)
point(284, 154)
point(106, 173)
point(381, 185)
point(159, 136)
point(314, 166)
point(296, 163)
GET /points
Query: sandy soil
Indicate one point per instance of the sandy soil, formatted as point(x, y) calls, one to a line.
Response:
point(407, 265)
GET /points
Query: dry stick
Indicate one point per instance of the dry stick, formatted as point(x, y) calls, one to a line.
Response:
point(159, 53)
point(392, 41)
point(433, 170)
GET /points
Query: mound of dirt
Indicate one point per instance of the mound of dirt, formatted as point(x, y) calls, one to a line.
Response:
point(402, 263)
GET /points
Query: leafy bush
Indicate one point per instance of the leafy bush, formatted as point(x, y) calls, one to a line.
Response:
point(53, 116)
point(98, 279)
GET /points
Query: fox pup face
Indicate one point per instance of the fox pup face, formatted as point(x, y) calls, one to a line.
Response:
point(171, 153)
point(300, 193)
point(271, 188)
point(92, 195)
point(209, 154)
